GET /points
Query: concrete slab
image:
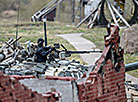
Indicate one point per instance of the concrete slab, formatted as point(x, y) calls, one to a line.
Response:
point(67, 89)
point(131, 78)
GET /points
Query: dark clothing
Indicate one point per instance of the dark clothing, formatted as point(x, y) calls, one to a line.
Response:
point(40, 42)
point(41, 53)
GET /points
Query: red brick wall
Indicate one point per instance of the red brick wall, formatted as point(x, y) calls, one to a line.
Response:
point(106, 82)
point(12, 91)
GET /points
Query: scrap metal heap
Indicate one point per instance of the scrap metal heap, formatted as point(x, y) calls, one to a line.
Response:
point(104, 82)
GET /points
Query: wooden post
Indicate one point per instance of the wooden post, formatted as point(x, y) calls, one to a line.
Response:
point(59, 11)
point(69, 3)
point(73, 11)
point(111, 11)
point(94, 19)
point(81, 3)
point(120, 15)
point(70, 11)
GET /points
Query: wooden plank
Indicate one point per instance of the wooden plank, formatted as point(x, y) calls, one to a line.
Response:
point(90, 21)
point(83, 20)
point(59, 9)
point(38, 13)
point(94, 18)
point(112, 13)
point(136, 2)
point(6, 45)
point(9, 45)
point(99, 5)
point(121, 17)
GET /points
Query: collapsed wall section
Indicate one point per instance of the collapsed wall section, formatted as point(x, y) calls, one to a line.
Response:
point(106, 82)
point(11, 90)
point(65, 86)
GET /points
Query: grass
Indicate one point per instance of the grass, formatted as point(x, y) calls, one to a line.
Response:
point(97, 36)
point(32, 33)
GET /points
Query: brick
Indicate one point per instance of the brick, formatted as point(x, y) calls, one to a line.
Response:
point(22, 77)
point(110, 83)
point(105, 96)
point(60, 78)
point(91, 93)
point(113, 74)
point(8, 99)
point(11, 90)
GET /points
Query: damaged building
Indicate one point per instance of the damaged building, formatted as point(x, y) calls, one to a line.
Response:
point(103, 82)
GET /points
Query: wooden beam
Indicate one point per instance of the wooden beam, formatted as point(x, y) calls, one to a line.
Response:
point(121, 17)
point(90, 21)
point(99, 5)
point(136, 2)
point(94, 19)
point(112, 13)
point(83, 20)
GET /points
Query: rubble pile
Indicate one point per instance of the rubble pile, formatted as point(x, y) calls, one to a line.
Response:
point(129, 39)
point(18, 60)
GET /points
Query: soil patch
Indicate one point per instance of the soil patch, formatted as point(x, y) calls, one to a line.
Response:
point(129, 39)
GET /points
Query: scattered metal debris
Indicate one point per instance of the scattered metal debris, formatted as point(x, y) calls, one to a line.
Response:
point(18, 60)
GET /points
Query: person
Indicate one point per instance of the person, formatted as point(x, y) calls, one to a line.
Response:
point(41, 51)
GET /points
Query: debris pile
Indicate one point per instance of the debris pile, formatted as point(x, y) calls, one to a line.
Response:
point(129, 39)
point(18, 60)
point(132, 91)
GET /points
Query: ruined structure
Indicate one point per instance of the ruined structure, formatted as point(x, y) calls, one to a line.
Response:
point(104, 82)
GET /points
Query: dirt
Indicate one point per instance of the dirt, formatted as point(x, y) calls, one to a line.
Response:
point(129, 39)
point(9, 13)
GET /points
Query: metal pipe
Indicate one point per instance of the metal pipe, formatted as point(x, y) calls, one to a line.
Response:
point(45, 34)
point(131, 66)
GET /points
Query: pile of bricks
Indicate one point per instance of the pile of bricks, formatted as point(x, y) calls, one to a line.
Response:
point(105, 83)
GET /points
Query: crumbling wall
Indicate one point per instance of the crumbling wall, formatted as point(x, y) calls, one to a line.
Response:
point(12, 91)
point(106, 82)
